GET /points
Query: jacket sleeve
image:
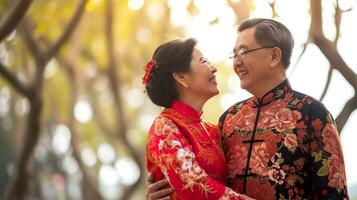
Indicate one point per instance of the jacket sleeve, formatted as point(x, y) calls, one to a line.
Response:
point(328, 169)
point(172, 153)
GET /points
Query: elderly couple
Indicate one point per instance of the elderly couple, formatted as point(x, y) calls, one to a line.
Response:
point(278, 144)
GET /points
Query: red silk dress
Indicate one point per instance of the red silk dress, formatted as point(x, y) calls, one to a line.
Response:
point(188, 153)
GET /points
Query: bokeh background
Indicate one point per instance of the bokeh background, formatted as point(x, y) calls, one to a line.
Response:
point(73, 112)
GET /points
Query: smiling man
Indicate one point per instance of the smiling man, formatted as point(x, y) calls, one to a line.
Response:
point(279, 144)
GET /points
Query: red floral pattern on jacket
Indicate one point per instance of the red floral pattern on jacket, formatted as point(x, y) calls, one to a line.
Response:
point(283, 146)
point(188, 153)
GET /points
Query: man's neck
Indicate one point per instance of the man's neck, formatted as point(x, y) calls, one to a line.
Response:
point(268, 86)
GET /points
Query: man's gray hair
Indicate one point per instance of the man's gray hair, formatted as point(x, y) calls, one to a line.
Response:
point(271, 32)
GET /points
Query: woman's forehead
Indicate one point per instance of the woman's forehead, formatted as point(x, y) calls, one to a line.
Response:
point(196, 52)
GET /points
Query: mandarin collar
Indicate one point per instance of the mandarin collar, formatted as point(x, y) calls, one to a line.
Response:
point(186, 110)
point(276, 93)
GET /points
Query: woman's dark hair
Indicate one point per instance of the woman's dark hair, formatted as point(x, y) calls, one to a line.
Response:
point(172, 56)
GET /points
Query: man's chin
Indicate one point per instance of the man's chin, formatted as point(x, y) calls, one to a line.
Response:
point(244, 85)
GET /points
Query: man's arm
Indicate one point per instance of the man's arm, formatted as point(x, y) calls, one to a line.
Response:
point(327, 163)
point(157, 190)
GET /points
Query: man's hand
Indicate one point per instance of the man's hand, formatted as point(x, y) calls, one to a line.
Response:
point(153, 189)
point(247, 198)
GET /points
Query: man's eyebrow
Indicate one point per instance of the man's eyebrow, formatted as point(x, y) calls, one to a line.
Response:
point(243, 46)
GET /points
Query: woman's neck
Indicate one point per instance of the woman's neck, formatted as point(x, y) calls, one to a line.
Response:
point(195, 103)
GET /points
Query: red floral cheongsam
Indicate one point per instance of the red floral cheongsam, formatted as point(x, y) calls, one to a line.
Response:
point(188, 153)
point(284, 145)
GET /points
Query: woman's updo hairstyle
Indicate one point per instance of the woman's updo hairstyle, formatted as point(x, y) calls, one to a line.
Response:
point(172, 56)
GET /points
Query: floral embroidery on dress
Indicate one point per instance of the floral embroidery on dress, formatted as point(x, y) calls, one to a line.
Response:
point(189, 171)
point(173, 153)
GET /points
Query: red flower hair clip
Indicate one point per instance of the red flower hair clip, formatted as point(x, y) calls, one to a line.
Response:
point(149, 66)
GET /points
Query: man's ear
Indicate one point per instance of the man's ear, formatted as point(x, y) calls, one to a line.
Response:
point(276, 56)
point(180, 78)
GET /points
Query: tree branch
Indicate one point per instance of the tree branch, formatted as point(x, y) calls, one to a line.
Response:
point(98, 117)
point(327, 47)
point(338, 17)
point(327, 85)
point(272, 6)
point(15, 16)
point(13, 81)
point(300, 56)
point(89, 184)
point(18, 183)
point(240, 8)
point(342, 118)
point(17, 186)
point(32, 44)
point(115, 88)
point(52, 50)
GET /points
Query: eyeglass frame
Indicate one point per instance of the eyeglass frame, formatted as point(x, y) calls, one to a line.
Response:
point(241, 53)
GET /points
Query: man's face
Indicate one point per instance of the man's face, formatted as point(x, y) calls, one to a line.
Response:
point(252, 67)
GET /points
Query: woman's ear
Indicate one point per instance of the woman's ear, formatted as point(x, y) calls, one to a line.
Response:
point(276, 57)
point(180, 78)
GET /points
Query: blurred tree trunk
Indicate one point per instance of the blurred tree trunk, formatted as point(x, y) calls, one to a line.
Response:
point(15, 16)
point(17, 126)
point(89, 187)
point(115, 85)
point(18, 184)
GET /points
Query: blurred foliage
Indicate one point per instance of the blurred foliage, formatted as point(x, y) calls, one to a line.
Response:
point(87, 53)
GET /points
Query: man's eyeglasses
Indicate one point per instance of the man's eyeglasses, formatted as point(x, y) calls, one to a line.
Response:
point(240, 55)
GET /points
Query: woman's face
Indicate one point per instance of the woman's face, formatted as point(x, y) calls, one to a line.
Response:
point(201, 79)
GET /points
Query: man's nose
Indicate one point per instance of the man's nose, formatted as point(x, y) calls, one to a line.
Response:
point(237, 61)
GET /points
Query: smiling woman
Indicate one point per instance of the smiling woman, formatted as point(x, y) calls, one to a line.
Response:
point(180, 146)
